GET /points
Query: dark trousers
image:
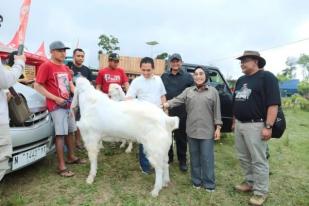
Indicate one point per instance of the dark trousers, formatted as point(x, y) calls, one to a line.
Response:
point(143, 161)
point(180, 137)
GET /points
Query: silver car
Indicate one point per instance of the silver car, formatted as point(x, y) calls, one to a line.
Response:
point(33, 140)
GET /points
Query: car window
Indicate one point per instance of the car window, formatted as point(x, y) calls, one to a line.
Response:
point(215, 79)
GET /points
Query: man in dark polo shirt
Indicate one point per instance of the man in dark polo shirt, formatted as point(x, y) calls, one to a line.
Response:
point(176, 81)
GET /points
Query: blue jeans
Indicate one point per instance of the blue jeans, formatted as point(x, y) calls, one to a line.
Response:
point(143, 161)
point(202, 162)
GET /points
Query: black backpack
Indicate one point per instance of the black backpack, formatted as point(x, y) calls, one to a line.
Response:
point(280, 123)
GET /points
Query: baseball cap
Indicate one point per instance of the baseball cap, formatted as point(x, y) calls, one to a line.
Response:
point(175, 56)
point(57, 45)
point(113, 56)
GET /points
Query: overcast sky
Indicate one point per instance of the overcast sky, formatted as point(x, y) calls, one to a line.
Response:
point(202, 31)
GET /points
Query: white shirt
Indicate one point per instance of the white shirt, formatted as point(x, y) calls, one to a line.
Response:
point(150, 89)
point(7, 79)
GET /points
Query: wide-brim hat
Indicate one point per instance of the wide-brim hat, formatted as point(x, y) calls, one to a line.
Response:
point(254, 55)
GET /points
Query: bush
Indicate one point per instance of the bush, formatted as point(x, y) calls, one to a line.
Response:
point(303, 88)
point(295, 102)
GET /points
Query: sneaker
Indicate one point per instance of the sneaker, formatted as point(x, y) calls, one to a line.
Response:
point(196, 186)
point(257, 200)
point(210, 190)
point(243, 187)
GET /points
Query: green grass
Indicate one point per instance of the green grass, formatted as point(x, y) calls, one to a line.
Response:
point(120, 182)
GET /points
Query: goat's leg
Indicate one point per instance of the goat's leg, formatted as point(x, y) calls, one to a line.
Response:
point(93, 150)
point(158, 182)
point(166, 174)
point(101, 146)
point(123, 143)
point(129, 148)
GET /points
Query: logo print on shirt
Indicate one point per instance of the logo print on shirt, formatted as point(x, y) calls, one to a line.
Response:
point(111, 78)
point(64, 85)
point(243, 94)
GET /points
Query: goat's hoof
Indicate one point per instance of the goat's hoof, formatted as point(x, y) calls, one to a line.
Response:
point(154, 193)
point(128, 151)
point(166, 184)
point(90, 180)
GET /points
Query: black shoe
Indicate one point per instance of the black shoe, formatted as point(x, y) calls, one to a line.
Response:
point(183, 167)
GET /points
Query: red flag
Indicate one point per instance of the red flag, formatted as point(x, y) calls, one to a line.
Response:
point(41, 51)
point(14, 42)
point(19, 36)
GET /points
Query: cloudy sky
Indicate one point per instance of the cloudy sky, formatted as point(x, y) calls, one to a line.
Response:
point(211, 32)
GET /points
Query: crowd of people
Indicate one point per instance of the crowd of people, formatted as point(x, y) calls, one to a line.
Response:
point(190, 97)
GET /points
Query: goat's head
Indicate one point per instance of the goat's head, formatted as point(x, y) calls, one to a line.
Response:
point(82, 85)
point(115, 92)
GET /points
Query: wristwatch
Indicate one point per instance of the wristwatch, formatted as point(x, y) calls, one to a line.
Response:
point(268, 126)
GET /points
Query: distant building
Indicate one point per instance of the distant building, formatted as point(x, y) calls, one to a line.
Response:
point(289, 87)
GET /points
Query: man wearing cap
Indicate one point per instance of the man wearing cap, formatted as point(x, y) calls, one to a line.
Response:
point(176, 81)
point(112, 74)
point(256, 101)
point(54, 81)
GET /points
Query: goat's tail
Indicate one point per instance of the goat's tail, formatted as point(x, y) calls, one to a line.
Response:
point(172, 123)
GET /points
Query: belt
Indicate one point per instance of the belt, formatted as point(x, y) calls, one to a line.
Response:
point(252, 120)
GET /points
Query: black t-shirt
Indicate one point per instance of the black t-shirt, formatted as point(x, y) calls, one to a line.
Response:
point(254, 94)
point(175, 85)
point(83, 70)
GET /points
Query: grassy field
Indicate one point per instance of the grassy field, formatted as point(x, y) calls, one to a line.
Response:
point(120, 182)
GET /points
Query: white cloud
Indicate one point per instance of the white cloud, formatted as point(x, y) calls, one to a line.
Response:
point(203, 31)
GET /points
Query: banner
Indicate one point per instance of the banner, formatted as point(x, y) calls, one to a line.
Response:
point(19, 37)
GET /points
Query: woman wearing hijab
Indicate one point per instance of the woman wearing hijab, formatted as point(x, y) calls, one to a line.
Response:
point(203, 127)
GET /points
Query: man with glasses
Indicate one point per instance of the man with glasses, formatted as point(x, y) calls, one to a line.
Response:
point(256, 101)
point(112, 74)
point(54, 81)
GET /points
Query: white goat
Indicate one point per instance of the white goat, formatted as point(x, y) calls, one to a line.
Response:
point(116, 93)
point(132, 119)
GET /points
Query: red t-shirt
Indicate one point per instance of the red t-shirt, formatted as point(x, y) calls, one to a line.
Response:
point(107, 76)
point(56, 79)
